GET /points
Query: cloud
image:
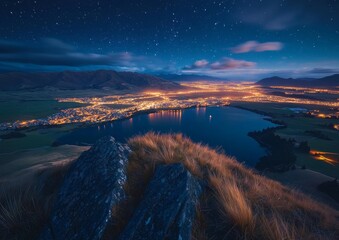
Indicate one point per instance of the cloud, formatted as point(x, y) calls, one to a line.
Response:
point(50, 52)
point(274, 16)
point(250, 74)
point(254, 46)
point(201, 63)
point(229, 63)
point(323, 71)
point(234, 69)
point(272, 21)
point(7, 47)
point(45, 45)
point(221, 65)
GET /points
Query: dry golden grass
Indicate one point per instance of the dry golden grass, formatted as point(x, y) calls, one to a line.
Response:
point(25, 203)
point(258, 208)
point(249, 206)
point(233, 202)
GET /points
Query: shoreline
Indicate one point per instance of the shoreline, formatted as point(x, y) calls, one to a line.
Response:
point(304, 180)
point(275, 176)
point(95, 123)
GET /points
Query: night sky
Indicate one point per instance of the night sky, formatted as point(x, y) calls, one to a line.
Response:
point(232, 39)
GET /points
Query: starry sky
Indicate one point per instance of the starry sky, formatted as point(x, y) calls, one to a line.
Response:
point(230, 39)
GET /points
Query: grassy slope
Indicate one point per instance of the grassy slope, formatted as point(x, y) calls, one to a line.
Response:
point(254, 206)
point(25, 203)
point(19, 163)
point(248, 205)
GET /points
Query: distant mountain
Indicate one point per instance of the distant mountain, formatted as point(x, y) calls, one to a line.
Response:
point(329, 81)
point(190, 77)
point(83, 80)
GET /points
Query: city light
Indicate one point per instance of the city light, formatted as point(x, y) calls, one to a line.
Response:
point(195, 94)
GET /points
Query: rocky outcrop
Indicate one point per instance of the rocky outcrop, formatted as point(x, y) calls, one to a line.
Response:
point(167, 210)
point(92, 186)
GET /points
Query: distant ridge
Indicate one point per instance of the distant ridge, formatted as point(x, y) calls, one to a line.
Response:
point(189, 77)
point(68, 80)
point(329, 81)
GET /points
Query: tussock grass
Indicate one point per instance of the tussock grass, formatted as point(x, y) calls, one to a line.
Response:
point(25, 203)
point(237, 204)
point(256, 207)
point(234, 203)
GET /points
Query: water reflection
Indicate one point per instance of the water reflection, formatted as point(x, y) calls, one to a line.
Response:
point(173, 115)
point(200, 111)
point(216, 126)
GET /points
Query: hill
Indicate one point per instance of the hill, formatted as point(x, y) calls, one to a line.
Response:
point(189, 77)
point(325, 82)
point(83, 80)
point(159, 187)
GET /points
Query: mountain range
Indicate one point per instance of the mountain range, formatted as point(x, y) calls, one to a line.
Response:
point(189, 77)
point(68, 80)
point(329, 81)
point(109, 79)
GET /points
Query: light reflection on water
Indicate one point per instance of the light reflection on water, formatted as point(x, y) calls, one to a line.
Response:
point(224, 127)
point(173, 115)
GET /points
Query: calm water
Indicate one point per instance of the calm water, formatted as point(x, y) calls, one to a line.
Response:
point(224, 127)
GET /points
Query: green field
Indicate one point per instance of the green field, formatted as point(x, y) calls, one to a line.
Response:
point(21, 162)
point(17, 154)
point(26, 110)
point(296, 127)
point(34, 139)
point(50, 94)
point(26, 105)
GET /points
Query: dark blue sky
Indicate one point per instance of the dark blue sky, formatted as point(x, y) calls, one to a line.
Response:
point(234, 39)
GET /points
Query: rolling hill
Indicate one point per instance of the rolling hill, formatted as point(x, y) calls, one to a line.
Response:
point(190, 77)
point(83, 80)
point(325, 82)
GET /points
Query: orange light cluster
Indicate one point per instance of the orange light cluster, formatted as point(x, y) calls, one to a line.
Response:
point(201, 93)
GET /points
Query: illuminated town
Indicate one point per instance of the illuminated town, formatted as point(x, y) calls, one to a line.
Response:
point(202, 93)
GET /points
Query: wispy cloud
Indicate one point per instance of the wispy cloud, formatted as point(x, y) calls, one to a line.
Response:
point(259, 73)
point(254, 46)
point(272, 20)
point(229, 63)
point(323, 70)
point(245, 70)
point(51, 52)
point(274, 16)
point(198, 64)
point(223, 64)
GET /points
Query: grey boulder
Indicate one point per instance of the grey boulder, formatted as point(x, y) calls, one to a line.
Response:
point(167, 209)
point(92, 186)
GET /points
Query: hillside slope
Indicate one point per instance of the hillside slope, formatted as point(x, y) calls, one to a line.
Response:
point(83, 80)
point(329, 81)
point(190, 77)
point(168, 188)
